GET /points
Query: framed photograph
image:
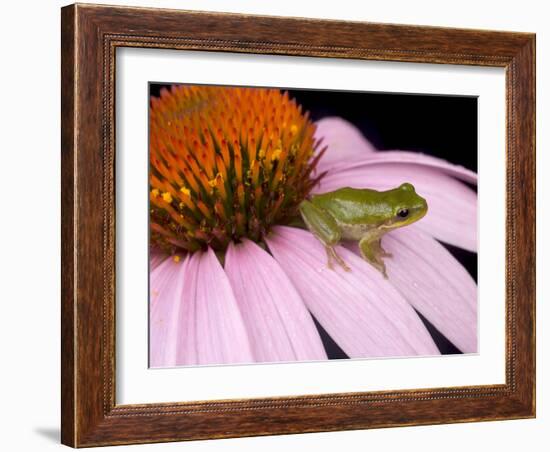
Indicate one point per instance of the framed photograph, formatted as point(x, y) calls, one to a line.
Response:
point(281, 225)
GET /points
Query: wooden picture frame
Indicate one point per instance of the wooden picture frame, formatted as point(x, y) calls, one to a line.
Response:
point(90, 36)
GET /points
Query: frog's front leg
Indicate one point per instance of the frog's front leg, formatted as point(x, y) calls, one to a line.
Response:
point(372, 251)
point(325, 228)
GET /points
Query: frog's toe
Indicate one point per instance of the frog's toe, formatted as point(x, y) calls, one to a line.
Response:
point(342, 262)
point(381, 252)
point(333, 256)
point(379, 265)
point(330, 257)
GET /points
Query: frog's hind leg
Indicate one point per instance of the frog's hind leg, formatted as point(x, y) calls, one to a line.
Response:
point(372, 252)
point(324, 227)
point(334, 256)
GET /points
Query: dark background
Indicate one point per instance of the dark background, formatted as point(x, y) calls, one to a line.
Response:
point(442, 126)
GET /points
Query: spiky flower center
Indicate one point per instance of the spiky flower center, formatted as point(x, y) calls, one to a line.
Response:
point(226, 163)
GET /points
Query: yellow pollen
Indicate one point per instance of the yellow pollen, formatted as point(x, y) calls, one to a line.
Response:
point(293, 129)
point(276, 155)
point(261, 153)
point(155, 192)
point(212, 182)
point(176, 258)
point(185, 191)
point(167, 197)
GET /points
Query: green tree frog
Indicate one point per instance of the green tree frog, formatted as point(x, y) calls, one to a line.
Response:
point(361, 214)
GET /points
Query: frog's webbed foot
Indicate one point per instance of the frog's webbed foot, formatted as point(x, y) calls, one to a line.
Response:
point(373, 253)
point(333, 256)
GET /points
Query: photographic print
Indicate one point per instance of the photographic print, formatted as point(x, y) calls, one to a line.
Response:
point(268, 234)
point(305, 225)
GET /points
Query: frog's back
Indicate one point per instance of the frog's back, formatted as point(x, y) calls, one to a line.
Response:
point(354, 206)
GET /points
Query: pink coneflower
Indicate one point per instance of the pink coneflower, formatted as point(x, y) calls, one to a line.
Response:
point(235, 278)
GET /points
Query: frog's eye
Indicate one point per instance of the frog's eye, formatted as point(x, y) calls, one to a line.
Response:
point(403, 213)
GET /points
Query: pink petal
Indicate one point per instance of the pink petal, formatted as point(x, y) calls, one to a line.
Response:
point(361, 310)
point(435, 284)
point(166, 283)
point(452, 206)
point(156, 258)
point(210, 323)
point(279, 325)
point(343, 139)
point(414, 158)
